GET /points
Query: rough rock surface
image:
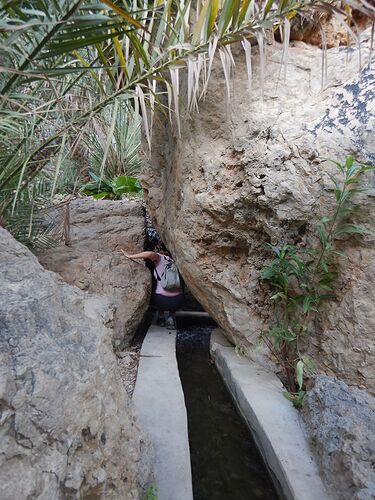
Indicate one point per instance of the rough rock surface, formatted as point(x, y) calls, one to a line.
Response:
point(340, 422)
point(336, 34)
point(93, 262)
point(247, 173)
point(66, 428)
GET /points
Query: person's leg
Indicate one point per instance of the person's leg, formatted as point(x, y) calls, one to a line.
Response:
point(174, 304)
point(161, 303)
point(160, 318)
point(170, 322)
point(166, 303)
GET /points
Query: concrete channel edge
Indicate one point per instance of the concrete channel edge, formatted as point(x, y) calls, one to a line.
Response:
point(273, 422)
point(159, 402)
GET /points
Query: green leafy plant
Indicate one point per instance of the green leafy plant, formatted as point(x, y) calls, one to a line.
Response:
point(151, 493)
point(103, 189)
point(303, 278)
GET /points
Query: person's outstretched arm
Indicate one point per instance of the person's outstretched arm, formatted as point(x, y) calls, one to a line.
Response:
point(143, 255)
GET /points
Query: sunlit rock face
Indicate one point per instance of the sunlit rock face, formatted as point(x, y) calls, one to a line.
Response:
point(248, 172)
point(67, 428)
point(99, 229)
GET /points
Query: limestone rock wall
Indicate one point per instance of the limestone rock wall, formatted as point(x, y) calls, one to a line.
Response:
point(66, 427)
point(247, 172)
point(340, 423)
point(93, 262)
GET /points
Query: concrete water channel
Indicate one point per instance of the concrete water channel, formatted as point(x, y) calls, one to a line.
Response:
point(204, 449)
point(225, 461)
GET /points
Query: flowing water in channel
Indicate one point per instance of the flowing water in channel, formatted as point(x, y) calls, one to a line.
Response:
point(226, 464)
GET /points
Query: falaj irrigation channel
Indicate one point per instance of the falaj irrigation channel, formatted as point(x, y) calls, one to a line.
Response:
point(203, 448)
point(225, 461)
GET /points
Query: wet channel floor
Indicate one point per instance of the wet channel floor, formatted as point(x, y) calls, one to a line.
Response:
point(226, 464)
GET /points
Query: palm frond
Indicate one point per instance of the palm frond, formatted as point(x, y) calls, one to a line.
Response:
point(122, 157)
point(64, 64)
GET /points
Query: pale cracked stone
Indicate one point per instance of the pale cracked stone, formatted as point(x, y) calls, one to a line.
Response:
point(340, 423)
point(247, 173)
point(93, 261)
point(67, 429)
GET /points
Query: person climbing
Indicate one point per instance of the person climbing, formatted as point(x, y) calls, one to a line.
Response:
point(167, 295)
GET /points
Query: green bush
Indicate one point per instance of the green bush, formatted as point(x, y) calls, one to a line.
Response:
point(104, 189)
point(301, 279)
